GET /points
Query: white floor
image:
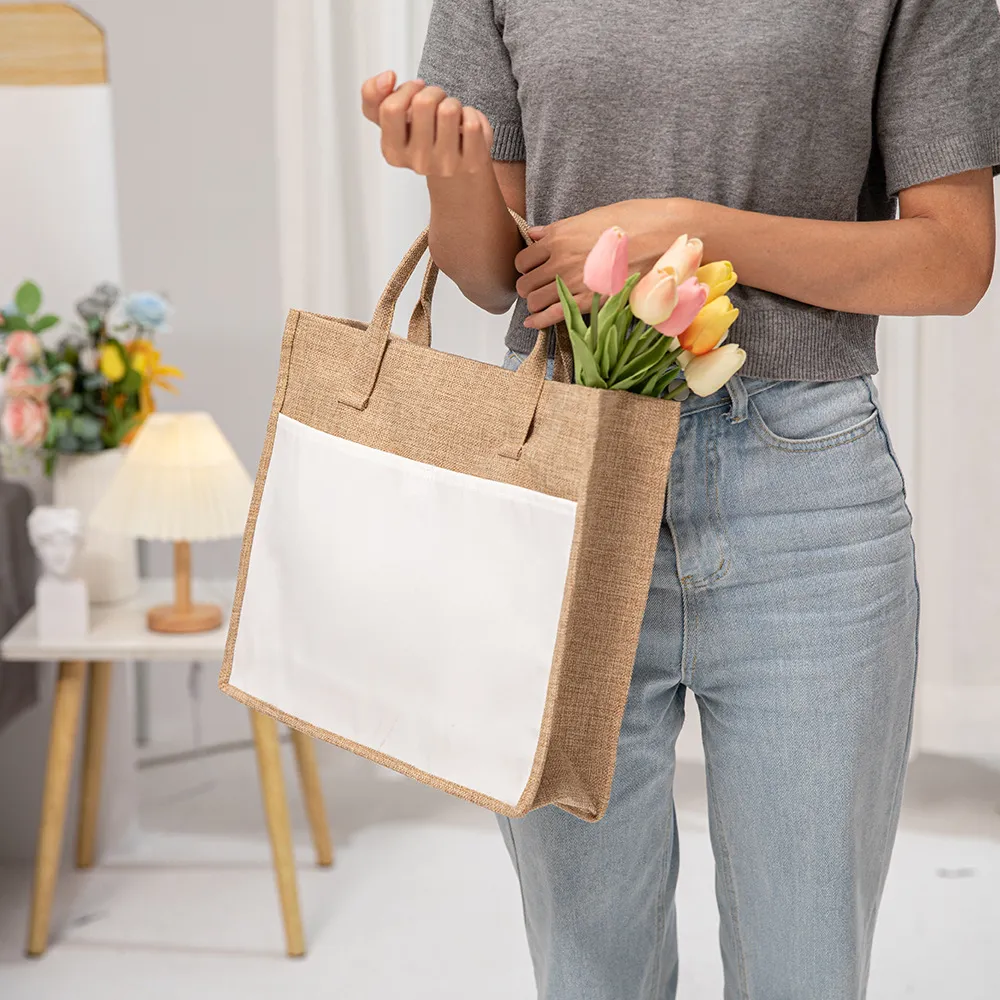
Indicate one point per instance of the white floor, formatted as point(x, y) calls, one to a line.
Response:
point(422, 903)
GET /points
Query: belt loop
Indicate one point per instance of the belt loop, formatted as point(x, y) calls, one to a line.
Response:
point(738, 394)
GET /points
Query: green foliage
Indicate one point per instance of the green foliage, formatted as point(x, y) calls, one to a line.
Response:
point(28, 299)
point(44, 323)
point(616, 351)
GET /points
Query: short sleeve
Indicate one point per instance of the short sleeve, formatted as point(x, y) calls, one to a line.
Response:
point(938, 101)
point(465, 55)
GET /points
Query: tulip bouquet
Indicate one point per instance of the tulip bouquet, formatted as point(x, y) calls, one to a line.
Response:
point(94, 389)
point(661, 334)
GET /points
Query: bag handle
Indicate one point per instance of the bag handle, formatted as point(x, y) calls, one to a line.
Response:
point(527, 381)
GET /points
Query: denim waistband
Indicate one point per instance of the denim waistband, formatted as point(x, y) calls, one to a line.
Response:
point(736, 391)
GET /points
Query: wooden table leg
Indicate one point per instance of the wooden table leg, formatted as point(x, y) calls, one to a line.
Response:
point(272, 784)
point(312, 794)
point(58, 772)
point(95, 734)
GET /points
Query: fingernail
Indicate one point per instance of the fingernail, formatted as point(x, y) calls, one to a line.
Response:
point(534, 230)
point(384, 79)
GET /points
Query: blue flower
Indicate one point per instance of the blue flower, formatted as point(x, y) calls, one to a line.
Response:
point(147, 310)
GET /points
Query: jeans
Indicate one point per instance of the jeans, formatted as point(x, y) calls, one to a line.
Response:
point(784, 595)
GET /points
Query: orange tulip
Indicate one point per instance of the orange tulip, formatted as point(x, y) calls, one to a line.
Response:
point(710, 326)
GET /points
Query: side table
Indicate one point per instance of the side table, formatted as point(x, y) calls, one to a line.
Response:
point(118, 633)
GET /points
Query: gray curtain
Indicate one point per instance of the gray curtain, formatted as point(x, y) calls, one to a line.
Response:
point(18, 681)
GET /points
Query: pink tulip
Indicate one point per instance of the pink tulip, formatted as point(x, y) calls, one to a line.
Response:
point(654, 298)
point(23, 346)
point(606, 269)
point(683, 258)
point(25, 422)
point(691, 299)
point(21, 382)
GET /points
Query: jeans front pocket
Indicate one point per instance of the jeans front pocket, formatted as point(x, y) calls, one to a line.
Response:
point(808, 416)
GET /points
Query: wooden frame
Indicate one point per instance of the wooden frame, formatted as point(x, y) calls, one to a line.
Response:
point(50, 44)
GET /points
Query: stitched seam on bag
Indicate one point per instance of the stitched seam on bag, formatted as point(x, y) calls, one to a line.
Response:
point(727, 875)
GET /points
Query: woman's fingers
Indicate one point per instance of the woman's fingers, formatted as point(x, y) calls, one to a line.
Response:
point(553, 314)
point(448, 142)
point(537, 279)
point(423, 127)
point(530, 258)
point(393, 119)
point(374, 91)
point(426, 130)
point(542, 298)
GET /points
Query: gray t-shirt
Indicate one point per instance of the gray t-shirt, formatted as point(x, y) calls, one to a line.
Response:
point(807, 108)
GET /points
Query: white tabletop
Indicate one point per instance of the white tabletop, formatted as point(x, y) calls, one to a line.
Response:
point(118, 631)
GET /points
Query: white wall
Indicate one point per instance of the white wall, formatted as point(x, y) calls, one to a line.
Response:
point(194, 109)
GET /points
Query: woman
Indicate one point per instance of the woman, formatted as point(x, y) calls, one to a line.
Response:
point(784, 594)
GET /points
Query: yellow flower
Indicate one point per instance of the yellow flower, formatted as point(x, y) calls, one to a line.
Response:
point(112, 363)
point(145, 359)
point(710, 326)
point(719, 277)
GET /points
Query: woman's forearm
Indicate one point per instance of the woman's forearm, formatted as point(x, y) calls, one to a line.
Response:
point(905, 267)
point(473, 239)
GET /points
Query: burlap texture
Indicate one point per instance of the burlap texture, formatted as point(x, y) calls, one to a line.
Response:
point(608, 451)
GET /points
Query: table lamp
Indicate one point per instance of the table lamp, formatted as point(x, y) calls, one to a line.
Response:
point(180, 482)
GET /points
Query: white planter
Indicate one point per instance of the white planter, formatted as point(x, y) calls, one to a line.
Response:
point(108, 562)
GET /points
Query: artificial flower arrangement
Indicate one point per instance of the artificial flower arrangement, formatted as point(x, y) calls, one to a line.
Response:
point(94, 389)
point(661, 334)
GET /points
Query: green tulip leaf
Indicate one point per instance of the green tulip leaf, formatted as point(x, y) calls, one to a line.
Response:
point(642, 365)
point(44, 323)
point(587, 371)
point(639, 339)
point(612, 308)
point(28, 299)
point(15, 324)
point(571, 310)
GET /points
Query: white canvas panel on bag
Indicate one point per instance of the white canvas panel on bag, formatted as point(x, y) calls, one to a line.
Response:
point(455, 670)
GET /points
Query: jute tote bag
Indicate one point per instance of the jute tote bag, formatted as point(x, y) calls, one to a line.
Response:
point(446, 564)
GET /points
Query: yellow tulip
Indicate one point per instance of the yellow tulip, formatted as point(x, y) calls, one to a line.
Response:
point(710, 326)
point(112, 363)
point(708, 373)
point(719, 277)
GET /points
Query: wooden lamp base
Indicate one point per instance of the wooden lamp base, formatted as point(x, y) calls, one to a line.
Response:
point(183, 617)
point(196, 618)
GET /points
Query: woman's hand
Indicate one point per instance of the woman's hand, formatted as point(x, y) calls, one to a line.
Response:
point(562, 248)
point(425, 130)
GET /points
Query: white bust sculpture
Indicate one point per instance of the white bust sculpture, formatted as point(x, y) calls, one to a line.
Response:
point(61, 605)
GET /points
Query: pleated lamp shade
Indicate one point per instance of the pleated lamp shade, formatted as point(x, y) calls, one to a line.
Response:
point(180, 482)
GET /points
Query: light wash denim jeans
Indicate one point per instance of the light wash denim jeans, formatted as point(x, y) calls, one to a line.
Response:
point(784, 595)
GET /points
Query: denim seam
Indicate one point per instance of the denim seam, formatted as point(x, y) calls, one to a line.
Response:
point(661, 914)
point(725, 565)
point(517, 869)
point(888, 447)
point(730, 884)
point(843, 437)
